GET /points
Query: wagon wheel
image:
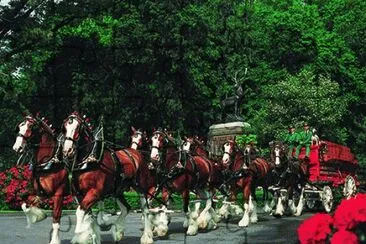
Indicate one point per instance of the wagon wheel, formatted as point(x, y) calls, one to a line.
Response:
point(327, 198)
point(350, 188)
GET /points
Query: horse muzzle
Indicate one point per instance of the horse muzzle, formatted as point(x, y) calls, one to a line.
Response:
point(19, 149)
point(68, 152)
point(19, 146)
point(155, 158)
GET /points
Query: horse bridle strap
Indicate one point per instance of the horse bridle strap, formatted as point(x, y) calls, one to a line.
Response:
point(130, 157)
point(23, 136)
point(228, 153)
point(135, 143)
point(70, 139)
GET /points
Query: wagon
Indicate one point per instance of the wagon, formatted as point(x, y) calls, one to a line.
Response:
point(331, 166)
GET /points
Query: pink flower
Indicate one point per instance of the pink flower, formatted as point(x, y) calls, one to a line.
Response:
point(344, 237)
point(315, 229)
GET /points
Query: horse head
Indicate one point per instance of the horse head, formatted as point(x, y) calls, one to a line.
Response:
point(163, 148)
point(250, 153)
point(73, 126)
point(229, 148)
point(278, 153)
point(138, 138)
point(24, 132)
point(188, 144)
point(27, 129)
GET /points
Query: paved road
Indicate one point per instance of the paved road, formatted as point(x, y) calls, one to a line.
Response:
point(267, 230)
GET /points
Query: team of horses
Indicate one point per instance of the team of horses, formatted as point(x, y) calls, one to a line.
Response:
point(152, 166)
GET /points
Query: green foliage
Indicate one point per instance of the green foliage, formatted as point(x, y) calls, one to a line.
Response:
point(246, 139)
point(300, 98)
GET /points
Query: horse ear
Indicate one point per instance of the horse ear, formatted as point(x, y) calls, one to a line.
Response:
point(133, 129)
point(185, 137)
point(153, 130)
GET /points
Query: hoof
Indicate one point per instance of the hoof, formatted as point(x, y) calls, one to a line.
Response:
point(254, 220)
point(243, 223)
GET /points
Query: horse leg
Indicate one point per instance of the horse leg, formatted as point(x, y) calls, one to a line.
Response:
point(102, 219)
point(57, 209)
point(224, 211)
point(33, 213)
point(204, 217)
point(267, 208)
point(165, 194)
point(244, 222)
point(118, 228)
point(86, 227)
point(147, 236)
point(291, 203)
point(192, 215)
point(300, 205)
point(253, 206)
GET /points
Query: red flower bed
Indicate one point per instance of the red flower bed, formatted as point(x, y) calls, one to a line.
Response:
point(315, 229)
point(347, 225)
point(344, 237)
point(16, 188)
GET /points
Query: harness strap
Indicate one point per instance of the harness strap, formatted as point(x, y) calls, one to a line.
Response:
point(118, 167)
point(70, 139)
point(131, 158)
point(23, 136)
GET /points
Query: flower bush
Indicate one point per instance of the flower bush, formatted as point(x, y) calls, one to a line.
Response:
point(16, 188)
point(315, 229)
point(347, 225)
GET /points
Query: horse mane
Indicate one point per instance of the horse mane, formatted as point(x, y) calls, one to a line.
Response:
point(47, 145)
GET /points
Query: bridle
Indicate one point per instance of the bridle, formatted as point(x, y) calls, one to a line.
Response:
point(231, 154)
point(69, 120)
point(138, 144)
point(33, 122)
point(281, 153)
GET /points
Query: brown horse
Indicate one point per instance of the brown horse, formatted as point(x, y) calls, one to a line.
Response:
point(293, 176)
point(247, 173)
point(109, 177)
point(178, 171)
point(195, 146)
point(51, 183)
point(145, 179)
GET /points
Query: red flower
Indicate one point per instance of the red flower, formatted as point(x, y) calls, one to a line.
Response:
point(315, 229)
point(344, 237)
point(350, 213)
